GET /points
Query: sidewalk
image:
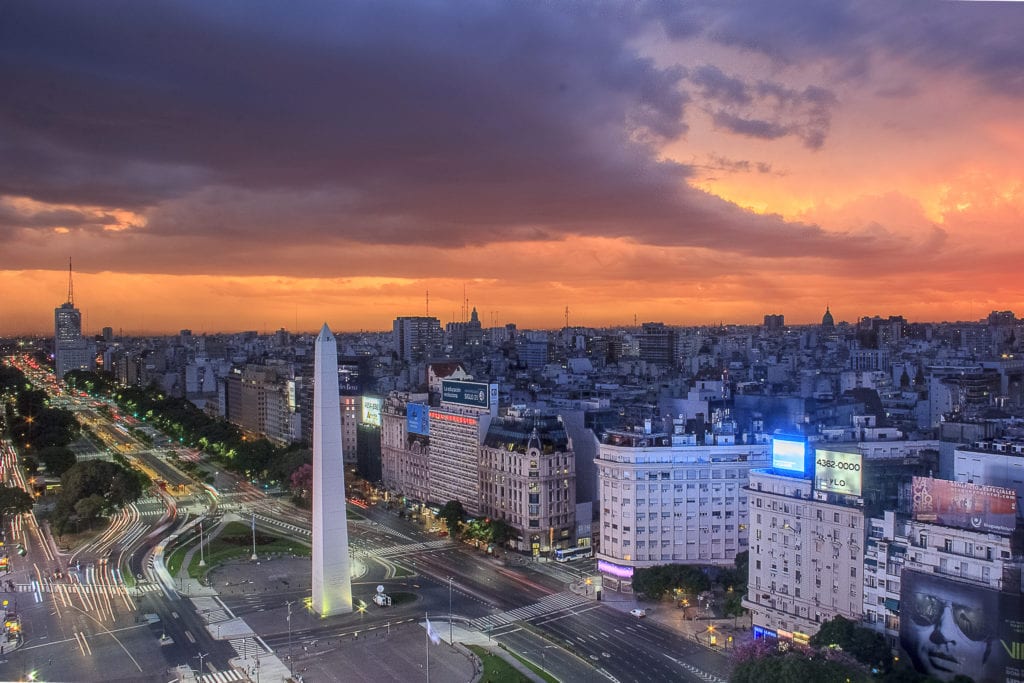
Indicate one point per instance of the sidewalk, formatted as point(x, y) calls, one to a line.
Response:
point(463, 636)
point(698, 629)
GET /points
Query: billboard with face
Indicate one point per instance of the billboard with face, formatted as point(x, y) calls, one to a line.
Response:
point(965, 506)
point(949, 628)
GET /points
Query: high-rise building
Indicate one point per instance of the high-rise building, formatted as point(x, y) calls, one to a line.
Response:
point(657, 343)
point(416, 338)
point(673, 497)
point(70, 350)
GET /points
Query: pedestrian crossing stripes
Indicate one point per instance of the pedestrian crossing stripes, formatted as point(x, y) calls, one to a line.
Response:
point(247, 648)
point(223, 677)
point(406, 548)
point(703, 675)
point(85, 588)
point(549, 604)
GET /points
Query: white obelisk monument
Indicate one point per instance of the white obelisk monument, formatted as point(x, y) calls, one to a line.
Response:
point(332, 577)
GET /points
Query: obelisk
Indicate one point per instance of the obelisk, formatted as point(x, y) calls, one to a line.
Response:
point(332, 577)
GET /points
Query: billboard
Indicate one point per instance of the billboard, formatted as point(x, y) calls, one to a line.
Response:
point(958, 504)
point(371, 410)
point(472, 394)
point(950, 627)
point(417, 419)
point(789, 455)
point(837, 472)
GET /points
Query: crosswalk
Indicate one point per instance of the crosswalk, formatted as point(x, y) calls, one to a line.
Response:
point(405, 548)
point(549, 604)
point(223, 677)
point(247, 648)
point(85, 588)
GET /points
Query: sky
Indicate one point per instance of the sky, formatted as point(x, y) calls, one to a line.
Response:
point(257, 165)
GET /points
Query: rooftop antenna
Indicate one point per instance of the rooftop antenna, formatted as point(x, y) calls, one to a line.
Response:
point(566, 317)
point(428, 303)
point(71, 285)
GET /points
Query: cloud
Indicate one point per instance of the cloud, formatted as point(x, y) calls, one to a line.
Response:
point(978, 40)
point(764, 109)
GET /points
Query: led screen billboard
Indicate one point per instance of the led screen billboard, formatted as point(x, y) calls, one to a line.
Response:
point(789, 455)
point(958, 504)
point(472, 394)
point(837, 472)
point(417, 419)
point(371, 411)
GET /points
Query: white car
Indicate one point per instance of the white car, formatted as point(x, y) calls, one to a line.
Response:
point(638, 613)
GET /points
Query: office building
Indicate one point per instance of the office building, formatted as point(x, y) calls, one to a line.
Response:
point(528, 479)
point(673, 497)
point(416, 338)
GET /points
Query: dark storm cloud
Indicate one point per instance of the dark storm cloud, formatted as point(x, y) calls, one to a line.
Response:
point(763, 109)
point(980, 40)
point(389, 122)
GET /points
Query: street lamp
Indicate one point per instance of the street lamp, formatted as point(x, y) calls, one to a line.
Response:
point(254, 556)
point(201, 656)
point(202, 558)
point(291, 664)
point(451, 638)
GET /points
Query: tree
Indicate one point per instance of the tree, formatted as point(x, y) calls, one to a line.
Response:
point(655, 582)
point(114, 483)
point(302, 484)
point(14, 500)
point(866, 646)
point(89, 509)
point(453, 515)
point(58, 459)
point(502, 532)
point(763, 662)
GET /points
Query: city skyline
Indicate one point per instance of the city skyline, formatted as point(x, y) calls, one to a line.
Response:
point(690, 164)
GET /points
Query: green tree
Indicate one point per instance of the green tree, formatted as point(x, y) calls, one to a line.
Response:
point(114, 483)
point(14, 501)
point(502, 532)
point(654, 582)
point(763, 662)
point(89, 509)
point(58, 459)
point(866, 646)
point(453, 515)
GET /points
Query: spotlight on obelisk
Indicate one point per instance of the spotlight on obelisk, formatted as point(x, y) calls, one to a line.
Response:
point(332, 576)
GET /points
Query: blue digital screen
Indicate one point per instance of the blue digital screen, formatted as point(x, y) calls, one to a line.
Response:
point(789, 455)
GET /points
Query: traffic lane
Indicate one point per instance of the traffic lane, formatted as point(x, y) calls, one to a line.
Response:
point(504, 590)
point(180, 622)
point(555, 659)
point(629, 648)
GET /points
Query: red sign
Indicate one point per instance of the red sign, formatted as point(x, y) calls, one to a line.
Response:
point(958, 504)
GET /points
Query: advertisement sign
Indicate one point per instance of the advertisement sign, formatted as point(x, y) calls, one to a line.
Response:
point(371, 410)
point(472, 394)
point(789, 455)
point(837, 472)
point(965, 506)
point(621, 571)
point(417, 419)
point(949, 627)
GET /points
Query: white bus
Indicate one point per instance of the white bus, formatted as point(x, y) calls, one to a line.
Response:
point(570, 554)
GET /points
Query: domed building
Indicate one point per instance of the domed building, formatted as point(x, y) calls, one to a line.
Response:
point(826, 320)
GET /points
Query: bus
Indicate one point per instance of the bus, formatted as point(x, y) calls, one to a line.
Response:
point(570, 554)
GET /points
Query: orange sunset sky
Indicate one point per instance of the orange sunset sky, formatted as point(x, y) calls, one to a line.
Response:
point(214, 168)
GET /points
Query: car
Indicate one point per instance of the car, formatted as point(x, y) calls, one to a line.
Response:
point(638, 613)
